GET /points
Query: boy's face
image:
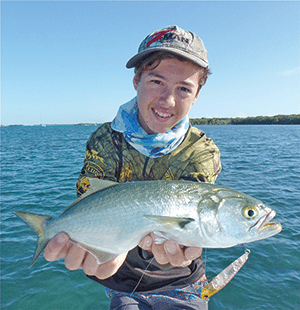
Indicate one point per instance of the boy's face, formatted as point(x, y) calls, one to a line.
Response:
point(166, 93)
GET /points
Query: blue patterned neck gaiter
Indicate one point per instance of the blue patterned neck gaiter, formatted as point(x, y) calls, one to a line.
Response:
point(151, 145)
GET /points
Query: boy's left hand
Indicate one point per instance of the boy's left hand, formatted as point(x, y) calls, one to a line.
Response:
point(170, 251)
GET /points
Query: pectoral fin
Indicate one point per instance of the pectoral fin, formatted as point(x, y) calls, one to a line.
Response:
point(169, 222)
point(100, 256)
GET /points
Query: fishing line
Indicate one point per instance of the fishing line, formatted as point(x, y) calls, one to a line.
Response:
point(205, 256)
point(144, 271)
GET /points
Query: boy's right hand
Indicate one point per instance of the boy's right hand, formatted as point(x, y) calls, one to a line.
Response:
point(78, 258)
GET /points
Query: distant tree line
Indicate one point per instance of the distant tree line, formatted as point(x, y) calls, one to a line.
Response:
point(292, 119)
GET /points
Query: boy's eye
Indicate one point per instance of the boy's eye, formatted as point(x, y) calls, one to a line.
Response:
point(156, 81)
point(184, 89)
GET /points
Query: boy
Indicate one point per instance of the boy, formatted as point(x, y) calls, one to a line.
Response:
point(151, 139)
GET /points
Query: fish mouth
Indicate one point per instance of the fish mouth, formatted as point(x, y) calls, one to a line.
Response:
point(265, 227)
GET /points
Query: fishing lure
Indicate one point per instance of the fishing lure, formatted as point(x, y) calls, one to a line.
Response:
point(225, 276)
point(221, 280)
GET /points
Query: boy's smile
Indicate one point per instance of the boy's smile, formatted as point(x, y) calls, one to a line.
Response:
point(166, 93)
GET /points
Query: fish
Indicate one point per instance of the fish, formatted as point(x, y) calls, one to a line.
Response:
point(111, 218)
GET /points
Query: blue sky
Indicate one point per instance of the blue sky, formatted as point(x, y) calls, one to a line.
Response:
point(64, 62)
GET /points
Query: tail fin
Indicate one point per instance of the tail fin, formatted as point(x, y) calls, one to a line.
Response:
point(35, 222)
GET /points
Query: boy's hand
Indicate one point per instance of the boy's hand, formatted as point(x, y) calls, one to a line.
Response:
point(77, 258)
point(170, 251)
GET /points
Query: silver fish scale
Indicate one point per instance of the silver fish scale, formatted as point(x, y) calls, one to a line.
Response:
point(113, 220)
point(114, 217)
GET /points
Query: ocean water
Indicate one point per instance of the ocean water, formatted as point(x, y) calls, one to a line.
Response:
point(39, 168)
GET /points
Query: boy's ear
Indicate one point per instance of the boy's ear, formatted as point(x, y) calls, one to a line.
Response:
point(135, 83)
point(197, 95)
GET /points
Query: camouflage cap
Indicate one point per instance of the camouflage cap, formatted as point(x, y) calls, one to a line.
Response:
point(174, 40)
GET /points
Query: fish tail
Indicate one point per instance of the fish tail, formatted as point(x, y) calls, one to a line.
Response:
point(36, 223)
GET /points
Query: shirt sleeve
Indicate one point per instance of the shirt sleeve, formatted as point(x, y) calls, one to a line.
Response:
point(204, 163)
point(100, 160)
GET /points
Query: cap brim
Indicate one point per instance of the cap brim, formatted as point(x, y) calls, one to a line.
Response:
point(135, 60)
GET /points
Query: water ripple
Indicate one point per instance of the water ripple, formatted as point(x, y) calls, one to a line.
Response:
point(39, 171)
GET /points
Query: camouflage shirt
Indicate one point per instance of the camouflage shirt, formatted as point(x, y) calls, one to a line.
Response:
point(109, 156)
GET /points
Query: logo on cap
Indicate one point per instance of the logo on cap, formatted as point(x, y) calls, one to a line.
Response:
point(166, 35)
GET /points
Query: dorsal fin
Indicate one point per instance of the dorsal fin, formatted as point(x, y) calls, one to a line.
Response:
point(95, 185)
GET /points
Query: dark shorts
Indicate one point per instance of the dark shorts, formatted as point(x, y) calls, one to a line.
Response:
point(130, 303)
point(187, 298)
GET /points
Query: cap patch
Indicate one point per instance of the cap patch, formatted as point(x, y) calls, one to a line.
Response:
point(160, 35)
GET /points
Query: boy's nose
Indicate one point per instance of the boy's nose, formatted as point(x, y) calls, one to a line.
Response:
point(168, 98)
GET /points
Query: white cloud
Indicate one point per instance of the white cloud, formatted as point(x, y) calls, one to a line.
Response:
point(292, 72)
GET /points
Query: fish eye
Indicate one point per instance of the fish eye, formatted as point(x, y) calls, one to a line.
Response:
point(250, 212)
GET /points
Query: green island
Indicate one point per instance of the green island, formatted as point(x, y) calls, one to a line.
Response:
point(292, 119)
